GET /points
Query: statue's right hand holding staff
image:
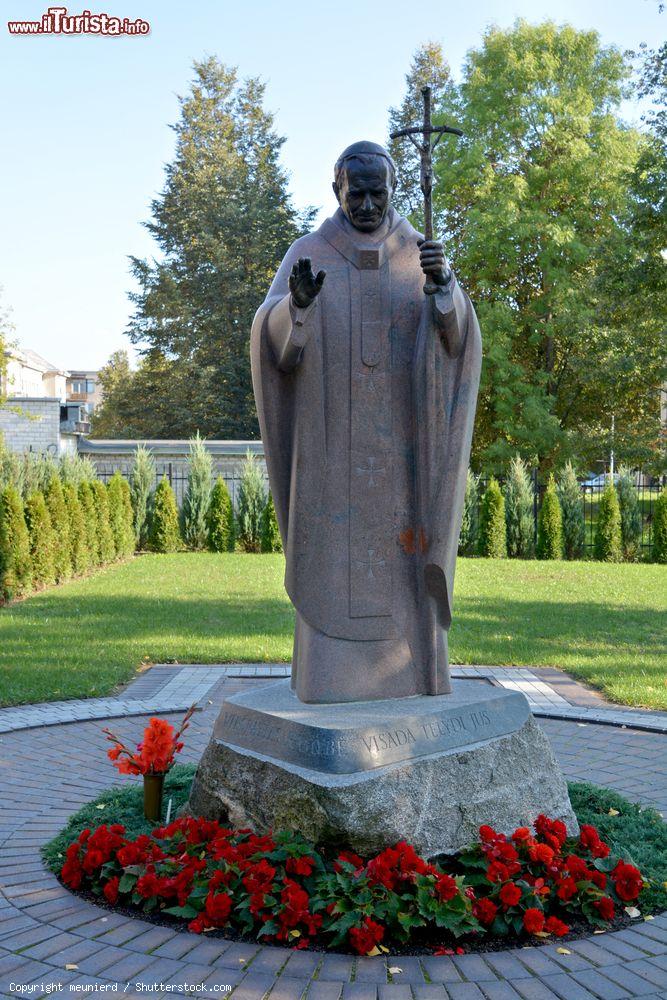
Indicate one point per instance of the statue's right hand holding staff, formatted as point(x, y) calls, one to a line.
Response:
point(303, 284)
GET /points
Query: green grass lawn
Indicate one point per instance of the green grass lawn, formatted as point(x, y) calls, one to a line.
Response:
point(603, 623)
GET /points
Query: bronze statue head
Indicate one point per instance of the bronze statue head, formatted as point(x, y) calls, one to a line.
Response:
point(364, 181)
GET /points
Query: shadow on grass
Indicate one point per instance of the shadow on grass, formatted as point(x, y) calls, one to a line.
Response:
point(58, 626)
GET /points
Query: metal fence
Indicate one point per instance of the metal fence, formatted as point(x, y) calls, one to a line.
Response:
point(177, 475)
point(590, 496)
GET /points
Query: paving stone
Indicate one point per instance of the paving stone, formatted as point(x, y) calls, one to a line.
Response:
point(177, 947)
point(630, 981)
point(159, 971)
point(253, 987)
point(652, 929)
point(51, 945)
point(647, 970)
point(430, 991)
point(394, 991)
point(371, 970)
point(75, 952)
point(601, 985)
point(567, 988)
point(642, 941)
point(25, 973)
point(126, 967)
point(238, 955)
point(506, 966)
point(324, 991)
point(499, 991)
point(474, 968)
point(301, 964)
point(537, 961)
point(410, 970)
point(287, 988)
point(336, 968)
point(534, 989)
point(270, 960)
point(441, 969)
point(464, 991)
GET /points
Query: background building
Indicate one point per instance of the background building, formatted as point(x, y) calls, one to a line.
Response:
point(38, 414)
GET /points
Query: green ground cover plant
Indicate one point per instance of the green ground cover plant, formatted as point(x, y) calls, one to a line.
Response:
point(394, 898)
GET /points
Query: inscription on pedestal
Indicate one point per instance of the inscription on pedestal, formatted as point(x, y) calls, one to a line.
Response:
point(339, 746)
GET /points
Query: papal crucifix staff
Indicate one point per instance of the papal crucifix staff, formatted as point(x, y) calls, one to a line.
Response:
point(425, 148)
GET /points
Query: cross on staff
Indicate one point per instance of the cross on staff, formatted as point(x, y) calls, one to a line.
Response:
point(425, 148)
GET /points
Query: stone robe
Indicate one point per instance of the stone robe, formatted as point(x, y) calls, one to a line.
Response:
point(366, 403)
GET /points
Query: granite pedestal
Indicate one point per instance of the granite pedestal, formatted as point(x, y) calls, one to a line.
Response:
point(429, 770)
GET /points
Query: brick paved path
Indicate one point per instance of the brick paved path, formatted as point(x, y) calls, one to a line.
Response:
point(46, 773)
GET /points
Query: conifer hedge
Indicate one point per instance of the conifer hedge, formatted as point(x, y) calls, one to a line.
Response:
point(608, 545)
point(62, 548)
point(550, 525)
point(89, 513)
point(78, 535)
point(659, 541)
point(492, 530)
point(220, 519)
point(164, 533)
point(15, 561)
point(270, 540)
point(519, 511)
point(572, 513)
point(42, 543)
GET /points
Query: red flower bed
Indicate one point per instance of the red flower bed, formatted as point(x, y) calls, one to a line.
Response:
point(280, 888)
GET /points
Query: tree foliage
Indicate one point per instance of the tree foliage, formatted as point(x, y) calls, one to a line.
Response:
point(550, 524)
point(492, 529)
point(519, 511)
point(608, 545)
point(250, 505)
point(15, 560)
point(105, 539)
point(537, 204)
point(659, 538)
point(220, 519)
point(164, 534)
point(141, 489)
point(470, 516)
point(80, 556)
point(62, 549)
point(120, 516)
point(90, 522)
point(572, 512)
point(429, 67)
point(222, 224)
point(631, 515)
point(197, 495)
point(270, 540)
point(40, 533)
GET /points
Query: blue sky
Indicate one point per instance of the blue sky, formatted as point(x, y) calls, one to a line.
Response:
point(85, 126)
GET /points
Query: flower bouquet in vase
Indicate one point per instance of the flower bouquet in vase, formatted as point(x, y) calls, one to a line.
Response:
point(154, 756)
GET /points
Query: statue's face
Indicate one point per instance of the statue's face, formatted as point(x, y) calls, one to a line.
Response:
point(364, 192)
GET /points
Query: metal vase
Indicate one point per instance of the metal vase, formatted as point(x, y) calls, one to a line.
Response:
point(153, 787)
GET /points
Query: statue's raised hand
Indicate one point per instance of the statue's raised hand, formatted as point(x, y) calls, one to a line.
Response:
point(303, 284)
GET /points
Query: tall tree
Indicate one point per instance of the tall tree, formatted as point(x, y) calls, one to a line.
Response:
point(429, 67)
point(530, 198)
point(222, 223)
